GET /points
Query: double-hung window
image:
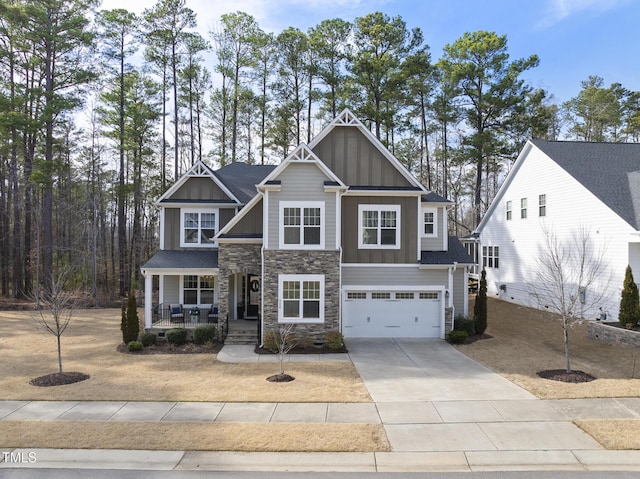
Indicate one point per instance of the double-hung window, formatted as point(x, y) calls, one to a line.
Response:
point(379, 226)
point(523, 208)
point(429, 224)
point(491, 256)
point(301, 224)
point(198, 227)
point(542, 205)
point(301, 298)
point(198, 290)
point(509, 212)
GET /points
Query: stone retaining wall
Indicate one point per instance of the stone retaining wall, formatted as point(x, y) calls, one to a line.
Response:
point(613, 335)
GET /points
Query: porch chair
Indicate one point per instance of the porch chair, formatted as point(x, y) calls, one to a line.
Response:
point(212, 317)
point(176, 313)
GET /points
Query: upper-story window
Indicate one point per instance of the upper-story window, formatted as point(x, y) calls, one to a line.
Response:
point(301, 224)
point(523, 208)
point(509, 211)
point(542, 205)
point(429, 223)
point(198, 227)
point(379, 226)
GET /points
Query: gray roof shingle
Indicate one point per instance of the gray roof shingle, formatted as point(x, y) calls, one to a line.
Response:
point(242, 178)
point(456, 254)
point(183, 259)
point(611, 171)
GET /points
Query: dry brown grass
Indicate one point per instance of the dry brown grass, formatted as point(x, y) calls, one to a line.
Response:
point(613, 434)
point(271, 437)
point(527, 340)
point(89, 346)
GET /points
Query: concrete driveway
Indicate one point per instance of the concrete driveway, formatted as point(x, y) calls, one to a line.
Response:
point(432, 398)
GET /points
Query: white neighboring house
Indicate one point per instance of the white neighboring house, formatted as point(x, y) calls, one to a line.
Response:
point(562, 186)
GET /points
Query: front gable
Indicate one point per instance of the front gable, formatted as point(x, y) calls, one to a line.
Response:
point(358, 158)
point(198, 185)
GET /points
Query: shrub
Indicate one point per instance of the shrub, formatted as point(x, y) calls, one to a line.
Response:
point(204, 334)
point(304, 342)
point(458, 337)
point(462, 323)
point(130, 324)
point(270, 341)
point(148, 339)
point(629, 302)
point(176, 336)
point(334, 340)
point(134, 346)
point(480, 306)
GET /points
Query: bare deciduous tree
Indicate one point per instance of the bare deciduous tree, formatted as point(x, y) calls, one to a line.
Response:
point(285, 342)
point(570, 279)
point(56, 307)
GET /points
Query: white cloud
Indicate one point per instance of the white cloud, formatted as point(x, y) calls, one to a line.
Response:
point(558, 10)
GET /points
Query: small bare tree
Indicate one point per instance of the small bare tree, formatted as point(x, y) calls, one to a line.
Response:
point(569, 279)
point(284, 342)
point(55, 308)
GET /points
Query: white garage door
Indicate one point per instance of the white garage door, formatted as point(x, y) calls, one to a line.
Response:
point(391, 314)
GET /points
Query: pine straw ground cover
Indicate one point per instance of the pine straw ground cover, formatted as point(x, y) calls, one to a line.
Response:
point(526, 341)
point(90, 346)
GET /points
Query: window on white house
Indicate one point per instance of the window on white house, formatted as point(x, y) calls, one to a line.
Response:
point(379, 226)
point(198, 227)
point(509, 211)
point(542, 205)
point(491, 256)
point(429, 224)
point(301, 224)
point(198, 290)
point(301, 298)
point(523, 208)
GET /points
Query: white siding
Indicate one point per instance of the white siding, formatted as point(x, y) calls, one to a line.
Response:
point(302, 182)
point(569, 206)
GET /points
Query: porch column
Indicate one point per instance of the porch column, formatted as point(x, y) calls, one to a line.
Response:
point(148, 299)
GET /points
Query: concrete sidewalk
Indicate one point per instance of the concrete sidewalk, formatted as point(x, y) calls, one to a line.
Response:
point(441, 412)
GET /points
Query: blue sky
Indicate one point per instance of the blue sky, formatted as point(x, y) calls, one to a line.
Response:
point(573, 38)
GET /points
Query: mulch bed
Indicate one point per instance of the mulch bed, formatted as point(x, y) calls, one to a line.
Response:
point(166, 348)
point(478, 337)
point(566, 376)
point(58, 379)
point(280, 378)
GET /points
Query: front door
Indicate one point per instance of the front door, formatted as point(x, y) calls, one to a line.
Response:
point(253, 296)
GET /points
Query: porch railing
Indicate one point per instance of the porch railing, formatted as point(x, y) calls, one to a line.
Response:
point(165, 317)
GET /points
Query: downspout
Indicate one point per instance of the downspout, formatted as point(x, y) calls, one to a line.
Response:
point(452, 270)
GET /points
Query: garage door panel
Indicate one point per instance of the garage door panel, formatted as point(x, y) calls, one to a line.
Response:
point(377, 314)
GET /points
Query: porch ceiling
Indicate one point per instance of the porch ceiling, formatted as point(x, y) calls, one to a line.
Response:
point(179, 259)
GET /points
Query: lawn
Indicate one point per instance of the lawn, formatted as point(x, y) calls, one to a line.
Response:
point(89, 346)
point(527, 340)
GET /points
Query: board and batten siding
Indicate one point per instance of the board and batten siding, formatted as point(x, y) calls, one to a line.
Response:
point(251, 223)
point(408, 231)
point(569, 207)
point(381, 276)
point(172, 223)
point(198, 188)
point(356, 160)
point(302, 182)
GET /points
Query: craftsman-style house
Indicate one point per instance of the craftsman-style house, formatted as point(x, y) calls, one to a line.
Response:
point(338, 237)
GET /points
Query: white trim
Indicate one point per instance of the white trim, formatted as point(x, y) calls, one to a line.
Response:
point(379, 208)
point(198, 170)
point(376, 287)
point(378, 265)
point(199, 210)
point(394, 193)
point(422, 223)
point(300, 278)
point(162, 232)
point(445, 230)
point(301, 205)
point(178, 271)
point(338, 219)
point(265, 221)
point(419, 242)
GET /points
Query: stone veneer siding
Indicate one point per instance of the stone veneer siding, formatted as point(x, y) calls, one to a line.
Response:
point(613, 335)
point(448, 321)
point(302, 262)
point(235, 258)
